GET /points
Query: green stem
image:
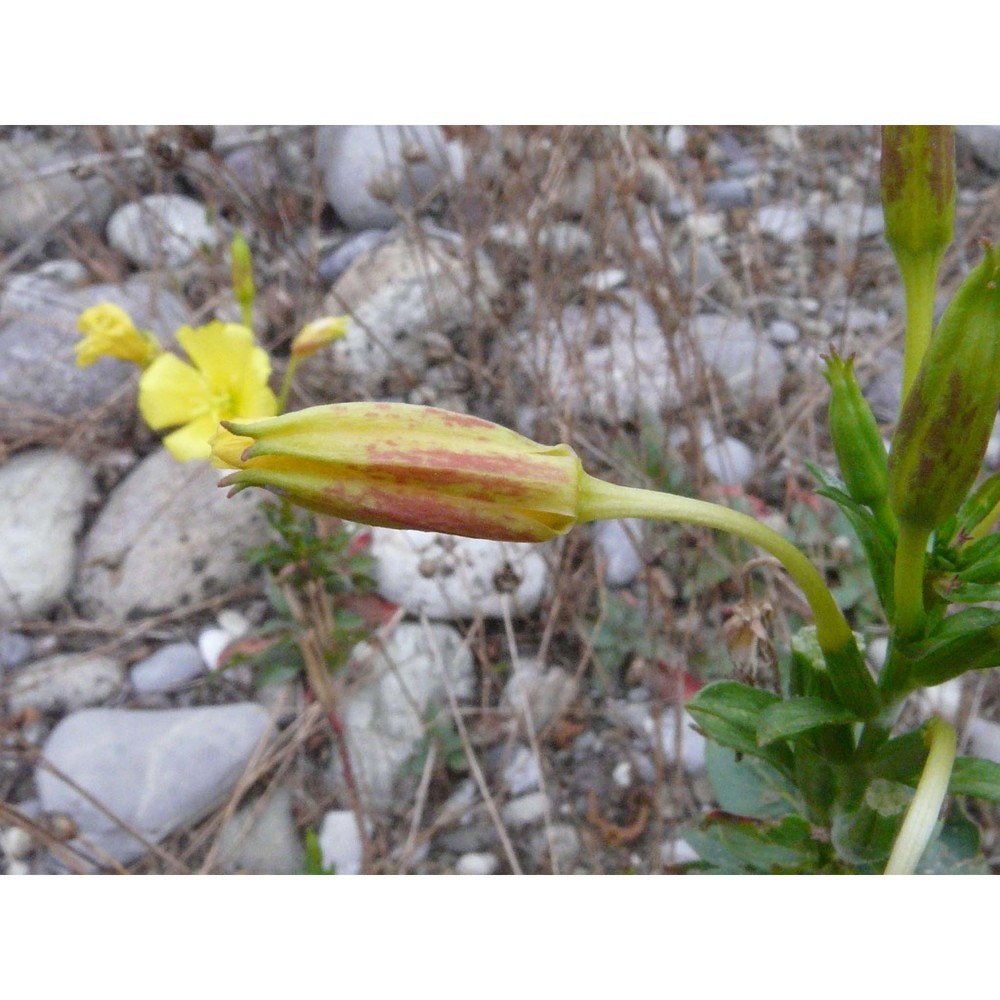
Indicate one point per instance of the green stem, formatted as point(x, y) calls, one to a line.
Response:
point(600, 501)
point(246, 310)
point(919, 281)
point(908, 579)
point(922, 816)
point(286, 382)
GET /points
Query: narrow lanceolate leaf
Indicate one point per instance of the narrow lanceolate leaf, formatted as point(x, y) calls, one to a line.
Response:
point(797, 716)
point(968, 640)
point(972, 776)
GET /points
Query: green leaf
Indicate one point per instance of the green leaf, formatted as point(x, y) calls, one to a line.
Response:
point(734, 844)
point(955, 850)
point(728, 712)
point(901, 759)
point(968, 640)
point(796, 716)
point(879, 548)
point(972, 513)
point(976, 777)
point(750, 787)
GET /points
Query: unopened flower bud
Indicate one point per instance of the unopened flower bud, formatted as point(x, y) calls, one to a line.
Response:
point(317, 333)
point(856, 439)
point(242, 273)
point(938, 447)
point(918, 189)
point(403, 466)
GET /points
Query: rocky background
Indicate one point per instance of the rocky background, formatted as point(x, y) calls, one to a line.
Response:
point(659, 298)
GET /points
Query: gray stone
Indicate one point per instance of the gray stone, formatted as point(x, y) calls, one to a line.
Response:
point(340, 842)
point(559, 845)
point(728, 193)
point(847, 221)
point(884, 390)
point(154, 771)
point(985, 143)
point(261, 838)
point(395, 294)
point(619, 547)
point(445, 576)
point(38, 333)
point(369, 170)
point(14, 649)
point(42, 496)
point(38, 189)
point(525, 810)
point(751, 367)
point(406, 675)
point(787, 223)
point(782, 332)
point(546, 693)
point(167, 537)
point(336, 263)
point(65, 682)
point(162, 230)
point(170, 667)
point(255, 170)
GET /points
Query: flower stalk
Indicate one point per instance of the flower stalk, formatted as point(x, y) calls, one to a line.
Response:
point(922, 816)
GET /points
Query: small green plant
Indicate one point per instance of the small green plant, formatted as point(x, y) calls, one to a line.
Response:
point(315, 569)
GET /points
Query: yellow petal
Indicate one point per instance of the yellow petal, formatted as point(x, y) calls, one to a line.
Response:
point(171, 392)
point(192, 440)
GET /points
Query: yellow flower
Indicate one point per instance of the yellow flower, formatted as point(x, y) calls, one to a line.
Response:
point(108, 332)
point(228, 379)
point(317, 333)
point(403, 466)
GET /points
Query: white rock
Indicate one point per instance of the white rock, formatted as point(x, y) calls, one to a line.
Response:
point(985, 143)
point(984, 739)
point(524, 811)
point(878, 649)
point(42, 495)
point(692, 754)
point(619, 545)
point(212, 643)
point(162, 229)
point(787, 223)
point(154, 770)
point(444, 576)
point(403, 681)
point(521, 773)
point(16, 843)
point(477, 863)
point(370, 169)
point(944, 700)
point(340, 842)
point(65, 682)
point(677, 852)
point(730, 461)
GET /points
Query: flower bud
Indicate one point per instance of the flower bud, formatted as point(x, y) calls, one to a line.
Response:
point(403, 466)
point(938, 447)
point(317, 333)
point(242, 273)
point(108, 332)
point(918, 189)
point(856, 439)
